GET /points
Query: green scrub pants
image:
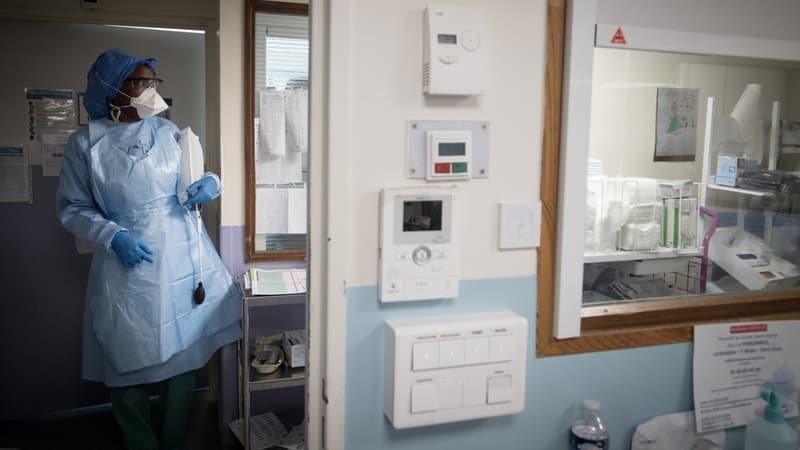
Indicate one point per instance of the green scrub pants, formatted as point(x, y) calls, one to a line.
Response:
point(131, 407)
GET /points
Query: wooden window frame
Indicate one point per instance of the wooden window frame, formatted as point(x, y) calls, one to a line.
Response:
point(251, 8)
point(612, 327)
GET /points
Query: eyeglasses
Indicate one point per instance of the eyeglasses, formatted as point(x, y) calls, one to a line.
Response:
point(145, 82)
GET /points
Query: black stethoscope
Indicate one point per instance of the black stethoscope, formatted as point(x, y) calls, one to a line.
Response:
point(199, 292)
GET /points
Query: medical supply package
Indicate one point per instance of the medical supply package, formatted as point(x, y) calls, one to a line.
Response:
point(675, 432)
point(294, 346)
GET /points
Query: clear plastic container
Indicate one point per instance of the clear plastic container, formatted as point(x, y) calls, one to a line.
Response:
point(588, 432)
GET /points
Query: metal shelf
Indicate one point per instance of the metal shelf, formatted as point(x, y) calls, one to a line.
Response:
point(250, 380)
point(619, 256)
point(740, 190)
point(282, 378)
point(275, 300)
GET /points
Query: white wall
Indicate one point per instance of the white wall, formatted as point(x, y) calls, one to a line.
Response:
point(386, 71)
point(231, 71)
point(386, 92)
point(774, 19)
point(624, 103)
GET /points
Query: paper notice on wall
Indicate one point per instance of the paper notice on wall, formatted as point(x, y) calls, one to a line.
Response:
point(272, 110)
point(734, 362)
point(279, 169)
point(297, 210)
point(281, 210)
point(272, 210)
point(15, 184)
point(53, 152)
point(49, 110)
point(297, 120)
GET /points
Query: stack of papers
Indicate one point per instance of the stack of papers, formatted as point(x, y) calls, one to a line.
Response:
point(267, 431)
point(277, 281)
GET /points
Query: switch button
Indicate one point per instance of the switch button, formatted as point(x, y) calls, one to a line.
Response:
point(476, 351)
point(424, 398)
point(501, 348)
point(499, 389)
point(451, 353)
point(425, 355)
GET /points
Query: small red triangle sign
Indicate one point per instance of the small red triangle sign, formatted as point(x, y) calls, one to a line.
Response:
point(618, 38)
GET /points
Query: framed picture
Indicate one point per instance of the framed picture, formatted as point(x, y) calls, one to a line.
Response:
point(676, 124)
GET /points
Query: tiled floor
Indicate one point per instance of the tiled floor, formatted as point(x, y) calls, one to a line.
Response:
point(99, 431)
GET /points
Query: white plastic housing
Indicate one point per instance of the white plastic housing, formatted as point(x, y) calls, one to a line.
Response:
point(454, 368)
point(454, 51)
point(414, 263)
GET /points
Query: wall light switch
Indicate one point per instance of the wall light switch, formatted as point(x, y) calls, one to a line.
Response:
point(442, 369)
point(519, 225)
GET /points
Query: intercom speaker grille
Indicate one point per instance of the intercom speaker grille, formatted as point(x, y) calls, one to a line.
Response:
point(426, 74)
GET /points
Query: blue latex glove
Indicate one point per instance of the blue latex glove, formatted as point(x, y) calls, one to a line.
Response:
point(202, 191)
point(129, 250)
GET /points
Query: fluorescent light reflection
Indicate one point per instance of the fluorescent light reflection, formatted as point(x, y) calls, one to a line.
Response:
point(174, 30)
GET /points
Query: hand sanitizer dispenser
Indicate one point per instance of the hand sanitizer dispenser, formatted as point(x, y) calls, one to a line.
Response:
point(771, 431)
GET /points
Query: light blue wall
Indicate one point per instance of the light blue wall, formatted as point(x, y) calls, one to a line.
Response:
point(632, 385)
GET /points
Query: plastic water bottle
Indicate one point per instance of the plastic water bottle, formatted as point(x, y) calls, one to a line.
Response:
point(588, 432)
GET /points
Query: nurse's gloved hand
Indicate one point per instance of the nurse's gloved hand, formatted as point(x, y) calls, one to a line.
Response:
point(202, 191)
point(129, 250)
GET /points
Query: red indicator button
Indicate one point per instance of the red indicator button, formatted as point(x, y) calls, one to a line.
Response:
point(441, 168)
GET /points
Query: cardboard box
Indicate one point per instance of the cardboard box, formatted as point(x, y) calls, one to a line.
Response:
point(729, 167)
point(294, 346)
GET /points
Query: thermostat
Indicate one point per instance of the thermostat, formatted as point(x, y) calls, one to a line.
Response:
point(449, 155)
point(453, 52)
point(418, 255)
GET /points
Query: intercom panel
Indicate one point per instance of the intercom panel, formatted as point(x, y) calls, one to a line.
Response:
point(418, 253)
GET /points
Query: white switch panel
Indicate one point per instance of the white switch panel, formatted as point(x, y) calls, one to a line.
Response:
point(453, 368)
point(520, 223)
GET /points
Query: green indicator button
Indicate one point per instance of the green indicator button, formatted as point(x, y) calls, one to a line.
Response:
point(460, 167)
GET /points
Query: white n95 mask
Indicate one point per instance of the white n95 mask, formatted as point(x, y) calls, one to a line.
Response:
point(149, 103)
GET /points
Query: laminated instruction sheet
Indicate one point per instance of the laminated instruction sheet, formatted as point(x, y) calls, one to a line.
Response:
point(733, 362)
point(277, 281)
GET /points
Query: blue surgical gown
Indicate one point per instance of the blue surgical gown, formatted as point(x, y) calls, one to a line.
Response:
point(141, 325)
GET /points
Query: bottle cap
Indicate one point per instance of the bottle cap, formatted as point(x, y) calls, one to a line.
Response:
point(773, 412)
point(592, 405)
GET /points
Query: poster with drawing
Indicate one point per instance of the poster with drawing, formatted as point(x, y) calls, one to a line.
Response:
point(676, 124)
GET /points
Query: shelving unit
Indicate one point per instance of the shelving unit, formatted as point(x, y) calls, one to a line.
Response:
point(251, 381)
point(745, 257)
point(623, 256)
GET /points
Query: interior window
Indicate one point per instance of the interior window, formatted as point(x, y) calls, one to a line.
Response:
point(686, 207)
point(672, 212)
point(277, 131)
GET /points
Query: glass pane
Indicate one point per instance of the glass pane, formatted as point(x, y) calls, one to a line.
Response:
point(281, 132)
point(668, 215)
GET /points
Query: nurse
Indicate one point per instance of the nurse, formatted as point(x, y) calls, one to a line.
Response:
point(143, 331)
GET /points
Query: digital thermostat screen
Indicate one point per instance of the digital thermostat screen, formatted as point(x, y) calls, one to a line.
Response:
point(452, 149)
point(422, 215)
point(447, 38)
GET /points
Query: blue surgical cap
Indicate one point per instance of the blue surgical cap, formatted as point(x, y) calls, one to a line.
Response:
point(112, 67)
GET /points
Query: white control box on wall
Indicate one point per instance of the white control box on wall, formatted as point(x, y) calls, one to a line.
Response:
point(454, 368)
point(418, 257)
point(454, 60)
